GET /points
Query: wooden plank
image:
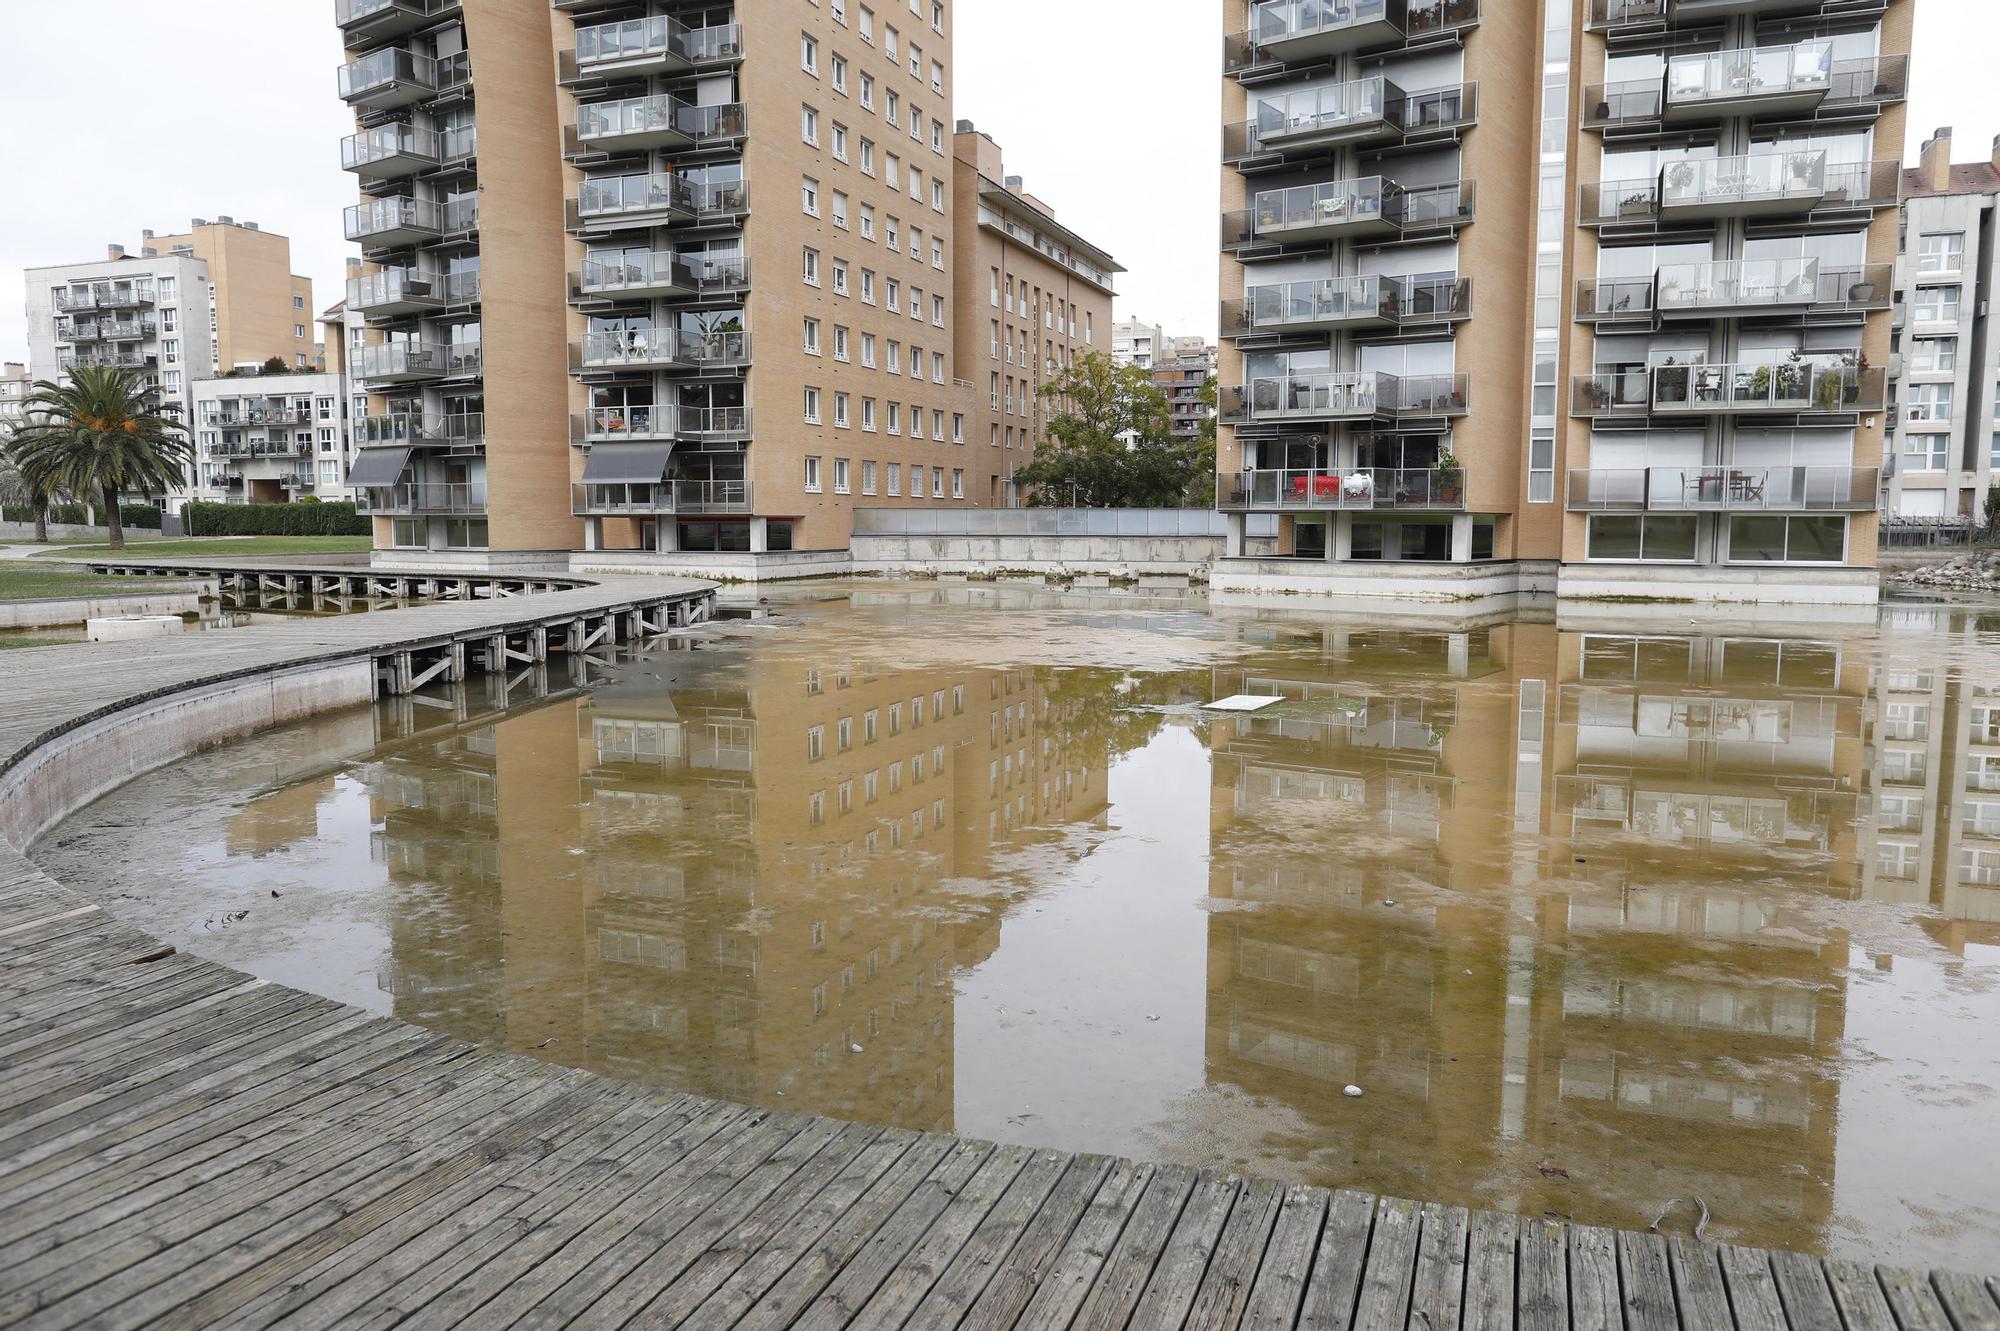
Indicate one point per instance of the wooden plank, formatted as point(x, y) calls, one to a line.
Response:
point(1335, 1282)
point(1089, 1246)
point(1911, 1301)
point(1184, 1260)
point(1391, 1268)
point(1698, 1284)
point(1858, 1296)
point(1129, 1266)
point(1437, 1299)
point(1014, 1281)
point(1593, 1279)
point(1645, 1284)
point(1802, 1289)
point(1753, 1290)
point(1489, 1271)
point(1239, 1255)
point(1542, 1278)
point(1971, 1305)
point(980, 1259)
point(1279, 1287)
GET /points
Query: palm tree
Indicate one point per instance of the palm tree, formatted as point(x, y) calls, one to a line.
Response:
point(102, 433)
point(23, 487)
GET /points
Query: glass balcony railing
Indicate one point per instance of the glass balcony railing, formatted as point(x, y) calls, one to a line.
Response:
point(1365, 206)
point(1326, 303)
point(1755, 185)
point(1744, 284)
point(389, 77)
point(376, 19)
point(650, 421)
point(658, 42)
point(107, 330)
point(660, 348)
point(240, 415)
point(390, 150)
point(436, 497)
point(241, 449)
point(394, 221)
point(121, 360)
point(1431, 489)
point(1818, 384)
point(600, 197)
point(1283, 30)
point(400, 360)
point(654, 119)
point(1343, 394)
point(1756, 79)
point(396, 291)
point(636, 274)
point(668, 496)
point(106, 296)
point(1363, 112)
point(1725, 488)
point(714, 422)
point(411, 428)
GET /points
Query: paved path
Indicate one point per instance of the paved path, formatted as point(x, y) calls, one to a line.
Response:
point(182, 1145)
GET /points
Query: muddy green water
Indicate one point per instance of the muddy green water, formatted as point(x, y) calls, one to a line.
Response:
point(1602, 921)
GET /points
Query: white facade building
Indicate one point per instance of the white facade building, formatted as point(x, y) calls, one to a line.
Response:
point(269, 438)
point(1135, 343)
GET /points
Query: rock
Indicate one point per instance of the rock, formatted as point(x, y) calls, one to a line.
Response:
point(1352, 1092)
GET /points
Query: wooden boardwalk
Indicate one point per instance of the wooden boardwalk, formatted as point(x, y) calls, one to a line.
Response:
point(182, 1145)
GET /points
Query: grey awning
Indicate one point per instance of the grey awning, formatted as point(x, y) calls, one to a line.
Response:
point(627, 464)
point(378, 466)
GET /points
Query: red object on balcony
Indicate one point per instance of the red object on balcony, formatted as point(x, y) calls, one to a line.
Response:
point(1326, 487)
point(1299, 487)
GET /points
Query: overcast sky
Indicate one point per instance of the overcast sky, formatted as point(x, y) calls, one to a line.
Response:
point(123, 115)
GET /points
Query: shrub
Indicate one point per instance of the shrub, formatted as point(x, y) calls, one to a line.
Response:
point(322, 519)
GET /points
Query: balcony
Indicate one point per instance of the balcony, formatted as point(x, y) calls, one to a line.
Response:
point(107, 330)
point(391, 223)
point(634, 124)
point(238, 416)
point(643, 500)
point(627, 424)
point(390, 151)
point(644, 275)
point(377, 20)
point(410, 428)
point(714, 424)
point(1296, 31)
point(106, 296)
point(419, 498)
point(1822, 385)
point(1724, 489)
point(660, 349)
point(606, 203)
point(396, 291)
point(400, 362)
point(1740, 289)
point(1347, 209)
point(1619, 17)
point(385, 79)
point(107, 360)
point(1331, 304)
point(243, 451)
point(1342, 395)
point(1761, 185)
point(1372, 489)
point(643, 47)
point(1366, 113)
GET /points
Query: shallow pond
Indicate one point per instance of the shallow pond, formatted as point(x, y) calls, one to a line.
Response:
point(1604, 922)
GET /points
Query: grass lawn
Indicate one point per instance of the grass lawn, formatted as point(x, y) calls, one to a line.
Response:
point(23, 581)
point(223, 547)
point(8, 641)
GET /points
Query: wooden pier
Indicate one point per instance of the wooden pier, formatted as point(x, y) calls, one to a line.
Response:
point(182, 1145)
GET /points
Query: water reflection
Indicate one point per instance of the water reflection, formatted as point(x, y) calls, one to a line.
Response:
point(1600, 921)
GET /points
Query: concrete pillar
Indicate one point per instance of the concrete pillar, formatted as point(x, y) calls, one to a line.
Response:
point(1458, 655)
point(667, 538)
point(1461, 537)
point(1341, 546)
point(1234, 525)
point(593, 533)
point(760, 535)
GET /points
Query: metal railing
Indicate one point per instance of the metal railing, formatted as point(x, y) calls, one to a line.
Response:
point(395, 286)
point(630, 115)
point(107, 330)
point(381, 216)
point(349, 12)
point(256, 416)
point(713, 422)
point(1343, 204)
point(611, 196)
point(443, 497)
point(371, 146)
point(107, 360)
point(106, 296)
point(658, 37)
point(1802, 179)
point(1274, 22)
point(390, 67)
point(1703, 289)
point(652, 421)
point(668, 496)
point(397, 359)
point(1436, 489)
point(1338, 394)
point(1764, 71)
point(661, 270)
point(1364, 298)
point(283, 448)
point(1725, 488)
point(412, 428)
point(660, 346)
point(1812, 384)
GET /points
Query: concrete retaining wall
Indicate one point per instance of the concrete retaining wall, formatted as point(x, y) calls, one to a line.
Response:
point(1181, 555)
point(720, 566)
point(1399, 579)
point(79, 764)
point(1721, 585)
point(76, 609)
point(471, 561)
point(25, 531)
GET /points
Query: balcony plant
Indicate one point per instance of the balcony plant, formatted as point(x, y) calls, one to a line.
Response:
point(1670, 381)
point(1799, 167)
point(1447, 478)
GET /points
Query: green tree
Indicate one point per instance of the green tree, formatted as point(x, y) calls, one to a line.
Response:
point(24, 488)
point(1991, 505)
point(1111, 443)
point(104, 433)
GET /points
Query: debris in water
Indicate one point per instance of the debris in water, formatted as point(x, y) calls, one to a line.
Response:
point(1550, 1169)
point(274, 891)
point(854, 1049)
point(1352, 1092)
point(1152, 1016)
point(1701, 1221)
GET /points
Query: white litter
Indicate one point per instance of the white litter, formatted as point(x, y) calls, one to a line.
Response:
point(1352, 1092)
point(1241, 702)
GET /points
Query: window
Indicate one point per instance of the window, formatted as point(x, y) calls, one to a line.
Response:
point(840, 421)
point(937, 76)
point(895, 418)
point(867, 156)
point(868, 91)
point(895, 478)
point(1933, 354)
point(812, 267)
point(937, 482)
point(868, 413)
point(839, 71)
point(1542, 465)
point(868, 221)
point(893, 297)
point(868, 477)
point(840, 277)
point(1943, 252)
point(809, 196)
point(812, 487)
point(916, 61)
point(1929, 402)
point(1935, 305)
point(937, 15)
point(895, 361)
point(957, 427)
point(868, 350)
point(937, 311)
point(299, 303)
point(840, 476)
point(890, 173)
point(839, 137)
point(812, 337)
point(937, 254)
point(892, 109)
point(1764, 538)
point(809, 54)
point(170, 350)
point(809, 125)
point(937, 425)
point(937, 136)
point(937, 196)
point(993, 342)
point(1926, 452)
point(937, 367)
point(840, 342)
point(889, 40)
point(957, 483)
point(812, 418)
point(1662, 537)
point(840, 210)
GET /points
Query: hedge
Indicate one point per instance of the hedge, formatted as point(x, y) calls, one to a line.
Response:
point(140, 517)
point(324, 519)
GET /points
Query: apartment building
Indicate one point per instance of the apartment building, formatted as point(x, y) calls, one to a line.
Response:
point(270, 438)
point(149, 313)
point(1182, 375)
point(1031, 295)
point(1943, 450)
point(1134, 342)
point(262, 309)
point(15, 385)
point(1711, 231)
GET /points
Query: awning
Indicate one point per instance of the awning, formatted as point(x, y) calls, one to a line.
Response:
point(378, 466)
point(627, 464)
